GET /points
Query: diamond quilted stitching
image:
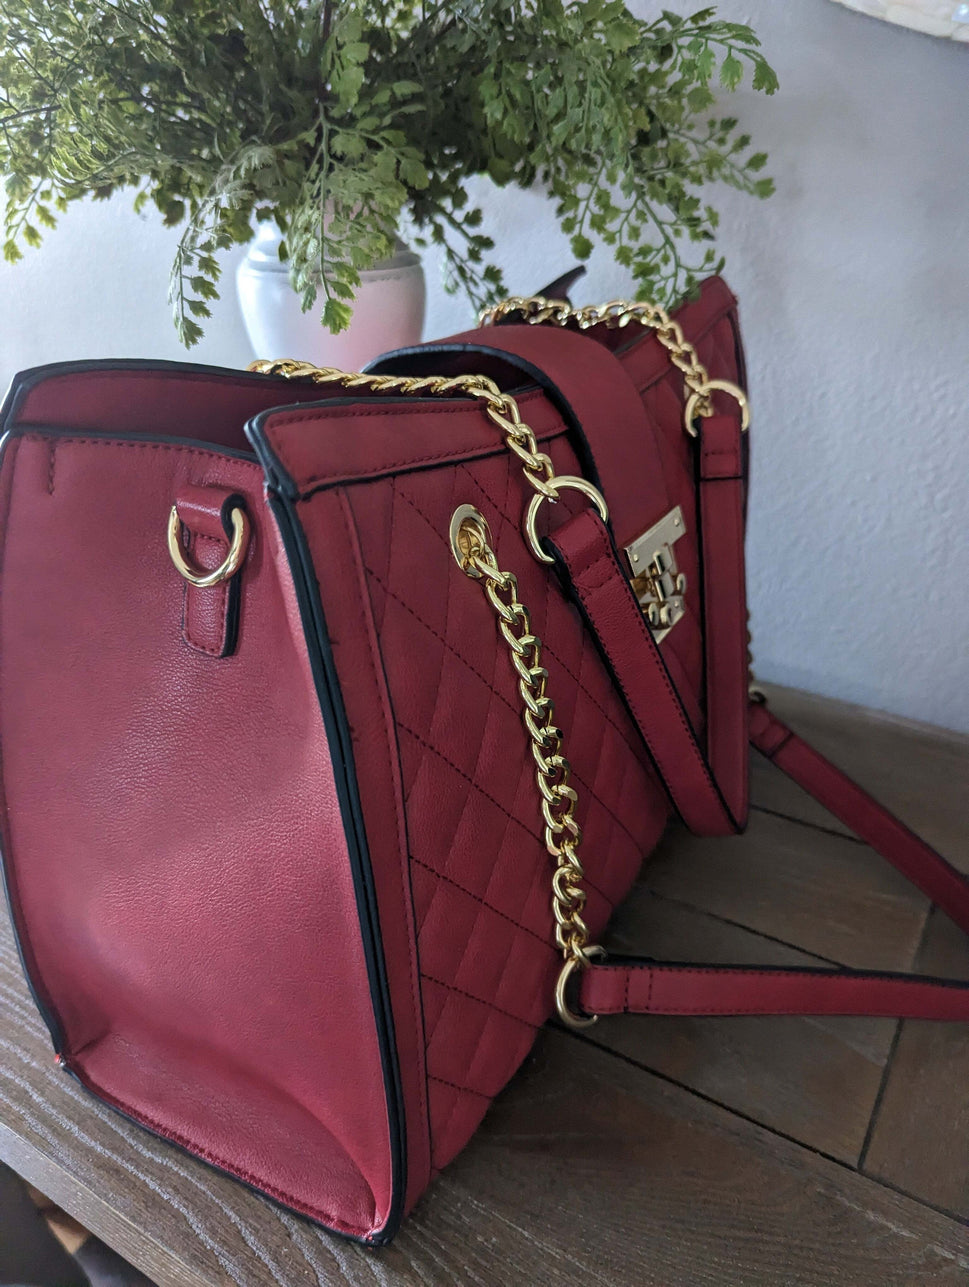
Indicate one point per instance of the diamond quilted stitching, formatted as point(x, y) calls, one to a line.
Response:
point(480, 872)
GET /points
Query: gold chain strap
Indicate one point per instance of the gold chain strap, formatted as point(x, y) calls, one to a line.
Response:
point(471, 542)
point(615, 315)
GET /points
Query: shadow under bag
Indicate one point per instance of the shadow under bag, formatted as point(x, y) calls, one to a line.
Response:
point(337, 713)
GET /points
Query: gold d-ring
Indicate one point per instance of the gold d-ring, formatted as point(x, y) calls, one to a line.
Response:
point(704, 391)
point(567, 1015)
point(557, 483)
point(198, 577)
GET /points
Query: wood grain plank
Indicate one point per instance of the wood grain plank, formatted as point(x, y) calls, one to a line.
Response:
point(625, 1179)
point(822, 893)
point(919, 772)
point(815, 1079)
point(920, 1138)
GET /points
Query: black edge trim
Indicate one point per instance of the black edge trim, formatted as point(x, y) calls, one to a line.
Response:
point(395, 363)
point(24, 381)
point(338, 733)
point(233, 595)
point(409, 869)
point(51, 1021)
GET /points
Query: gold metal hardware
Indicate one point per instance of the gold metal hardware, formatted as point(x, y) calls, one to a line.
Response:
point(692, 409)
point(472, 548)
point(617, 314)
point(754, 692)
point(560, 482)
point(566, 1013)
point(469, 533)
point(657, 583)
point(198, 577)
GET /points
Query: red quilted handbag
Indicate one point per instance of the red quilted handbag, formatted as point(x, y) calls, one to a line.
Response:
point(291, 841)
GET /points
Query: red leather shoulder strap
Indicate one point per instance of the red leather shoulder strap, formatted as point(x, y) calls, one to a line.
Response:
point(648, 987)
point(598, 584)
point(708, 788)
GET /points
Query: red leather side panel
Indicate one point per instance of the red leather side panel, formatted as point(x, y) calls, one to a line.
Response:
point(174, 844)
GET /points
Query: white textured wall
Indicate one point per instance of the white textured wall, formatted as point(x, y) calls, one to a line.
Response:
point(854, 283)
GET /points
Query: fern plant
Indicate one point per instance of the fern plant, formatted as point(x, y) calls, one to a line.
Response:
point(344, 121)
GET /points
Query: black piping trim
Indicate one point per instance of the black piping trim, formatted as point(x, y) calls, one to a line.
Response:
point(409, 866)
point(233, 590)
point(391, 363)
point(338, 734)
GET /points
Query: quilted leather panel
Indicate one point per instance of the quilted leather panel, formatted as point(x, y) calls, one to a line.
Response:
point(462, 782)
point(479, 868)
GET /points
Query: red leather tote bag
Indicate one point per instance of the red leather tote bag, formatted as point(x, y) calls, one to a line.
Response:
point(337, 713)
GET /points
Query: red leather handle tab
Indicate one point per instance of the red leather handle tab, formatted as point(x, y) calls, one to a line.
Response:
point(648, 987)
point(210, 618)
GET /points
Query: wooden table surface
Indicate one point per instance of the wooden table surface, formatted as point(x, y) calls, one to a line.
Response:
point(651, 1150)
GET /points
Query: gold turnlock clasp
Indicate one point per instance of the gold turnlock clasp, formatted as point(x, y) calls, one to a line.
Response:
point(238, 544)
point(657, 583)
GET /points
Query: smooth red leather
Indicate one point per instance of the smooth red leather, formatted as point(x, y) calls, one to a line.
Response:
point(699, 783)
point(179, 829)
point(174, 852)
point(599, 584)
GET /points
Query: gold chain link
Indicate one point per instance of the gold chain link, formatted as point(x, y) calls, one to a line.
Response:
point(472, 546)
point(615, 315)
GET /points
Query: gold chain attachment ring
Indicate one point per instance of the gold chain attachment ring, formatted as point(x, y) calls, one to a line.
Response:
point(560, 482)
point(196, 576)
point(471, 545)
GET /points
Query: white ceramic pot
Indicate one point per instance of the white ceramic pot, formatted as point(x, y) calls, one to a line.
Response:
point(388, 313)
